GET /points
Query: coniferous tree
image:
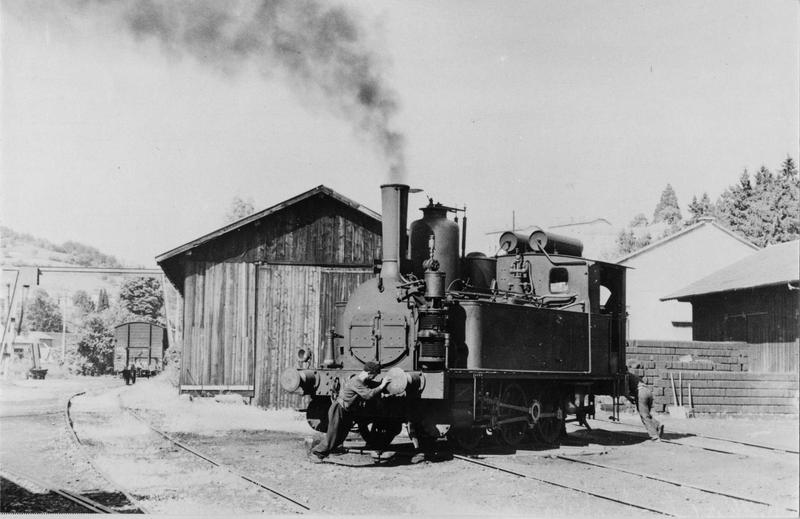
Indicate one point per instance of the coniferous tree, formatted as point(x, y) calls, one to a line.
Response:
point(700, 208)
point(786, 204)
point(667, 209)
point(102, 300)
point(764, 211)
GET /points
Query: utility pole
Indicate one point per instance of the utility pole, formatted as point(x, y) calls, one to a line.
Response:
point(63, 328)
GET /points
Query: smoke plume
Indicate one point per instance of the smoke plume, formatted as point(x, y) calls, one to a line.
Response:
point(318, 46)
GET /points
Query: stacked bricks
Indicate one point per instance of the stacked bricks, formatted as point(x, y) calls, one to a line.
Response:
point(717, 372)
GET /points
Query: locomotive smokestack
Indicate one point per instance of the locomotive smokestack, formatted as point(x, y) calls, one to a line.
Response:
point(394, 201)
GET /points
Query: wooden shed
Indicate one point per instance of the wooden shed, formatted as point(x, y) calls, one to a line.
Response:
point(259, 289)
point(754, 300)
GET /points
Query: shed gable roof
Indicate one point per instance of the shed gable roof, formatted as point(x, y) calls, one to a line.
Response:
point(319, 190)
point(683, 232)
point(773, 265)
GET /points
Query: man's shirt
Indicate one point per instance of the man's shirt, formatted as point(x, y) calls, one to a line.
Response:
point(355, 389)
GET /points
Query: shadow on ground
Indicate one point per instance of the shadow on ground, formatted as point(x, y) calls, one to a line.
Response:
point(19, 500)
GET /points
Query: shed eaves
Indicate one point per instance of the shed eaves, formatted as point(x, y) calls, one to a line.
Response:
point(266, 212)
point(773, 265)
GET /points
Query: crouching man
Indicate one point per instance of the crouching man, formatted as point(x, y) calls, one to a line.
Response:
point(339, 417)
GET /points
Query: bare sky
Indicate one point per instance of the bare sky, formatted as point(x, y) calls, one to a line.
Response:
point(550, 109)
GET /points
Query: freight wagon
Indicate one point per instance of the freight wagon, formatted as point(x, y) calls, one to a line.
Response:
point(140, 344)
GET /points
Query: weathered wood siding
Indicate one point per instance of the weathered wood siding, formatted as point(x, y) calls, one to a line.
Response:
point(219, 320)
point(295, 308)
point(757, 316)
point(288, 316)
point(318, 231)
point(774, 357)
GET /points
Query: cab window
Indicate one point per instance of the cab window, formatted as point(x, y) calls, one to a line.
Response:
point(559, 280)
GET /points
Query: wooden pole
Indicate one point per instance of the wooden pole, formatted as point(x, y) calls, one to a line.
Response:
point(674, 394)
point(64, 329)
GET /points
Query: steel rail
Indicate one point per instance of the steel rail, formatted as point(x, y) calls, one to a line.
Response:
point(89, 504)
point(222, 466)
point(671, 482)
point(27, 415)
point(756, 445)
point(553, 483)
point(673, 442)
point(79, 444)
point(715, 438)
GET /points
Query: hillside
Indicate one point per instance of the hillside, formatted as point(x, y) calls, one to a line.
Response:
point(22, 249)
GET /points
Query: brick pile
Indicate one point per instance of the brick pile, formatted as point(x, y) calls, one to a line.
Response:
point(717, 372)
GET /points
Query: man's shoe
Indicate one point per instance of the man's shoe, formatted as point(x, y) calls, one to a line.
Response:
point(311, 443)
point(313, 457)
point(418, 458)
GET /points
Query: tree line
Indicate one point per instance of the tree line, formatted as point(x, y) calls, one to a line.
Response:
point(139, 299)
point(763, 208)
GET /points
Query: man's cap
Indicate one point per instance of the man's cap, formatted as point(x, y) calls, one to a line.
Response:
point(373, 368)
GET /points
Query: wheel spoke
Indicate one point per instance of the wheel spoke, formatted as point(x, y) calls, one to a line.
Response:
point(551, 422)
point(512, 415)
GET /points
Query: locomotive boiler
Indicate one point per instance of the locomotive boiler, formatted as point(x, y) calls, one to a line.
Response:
point(473, 345)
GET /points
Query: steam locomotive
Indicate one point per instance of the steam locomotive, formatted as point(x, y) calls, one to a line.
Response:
point(473, 345)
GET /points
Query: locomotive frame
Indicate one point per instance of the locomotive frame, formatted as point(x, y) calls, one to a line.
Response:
point(508, 345)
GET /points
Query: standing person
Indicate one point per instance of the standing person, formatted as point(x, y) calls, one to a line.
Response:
point(641, 396)
point(133, 374)
point(339, 417)
point(126, 374)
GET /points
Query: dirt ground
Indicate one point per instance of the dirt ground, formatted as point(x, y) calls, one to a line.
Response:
point(34, 441)
point(270, 446)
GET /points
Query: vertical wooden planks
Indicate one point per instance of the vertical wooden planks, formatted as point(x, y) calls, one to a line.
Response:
point(201, 309)
point(250, 351)
point(187, 348)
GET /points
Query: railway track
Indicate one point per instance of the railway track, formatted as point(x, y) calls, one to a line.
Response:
point(703, 436)
point(515, 472)
point(249, 479)
point(89, 505)
point(79, 444)
point(524, 474)
point(673, 482)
